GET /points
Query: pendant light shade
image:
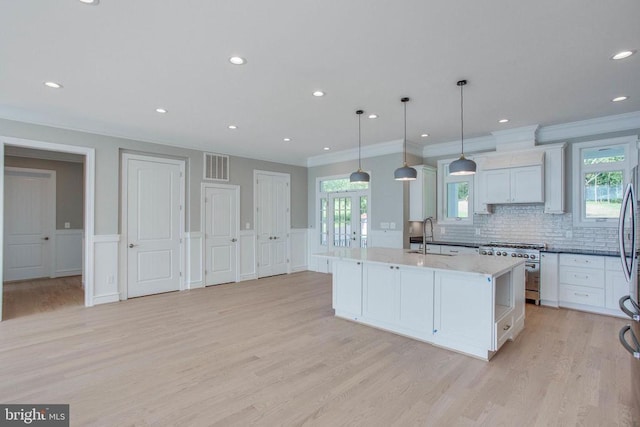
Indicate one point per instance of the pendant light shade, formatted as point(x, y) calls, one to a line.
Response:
point(405, 173)
point(359, 175)
point(462, 166)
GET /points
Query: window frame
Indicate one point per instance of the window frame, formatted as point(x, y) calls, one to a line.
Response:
point(445, 178)
point(629, 169)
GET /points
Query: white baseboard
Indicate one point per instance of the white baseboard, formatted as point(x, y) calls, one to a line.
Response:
point(105, 299)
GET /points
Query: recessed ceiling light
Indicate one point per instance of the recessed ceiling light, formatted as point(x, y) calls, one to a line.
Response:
point(620, 98)
point(326, 148)
point(424, 135)
point(161, 110)
point(318, 93)
point(53, 85)
point(287, 139)
point(237, 60)
point(91, 2)
point(232, 127)
point(373, 116)
point(624, 54)
point(503, 120)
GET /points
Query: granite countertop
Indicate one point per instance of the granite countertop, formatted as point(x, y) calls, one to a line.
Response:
point(491, 266)
point(596, 252)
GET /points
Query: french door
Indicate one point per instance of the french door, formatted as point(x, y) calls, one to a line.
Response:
point(346, 224)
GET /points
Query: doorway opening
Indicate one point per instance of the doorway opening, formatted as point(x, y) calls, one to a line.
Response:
point(43, 231)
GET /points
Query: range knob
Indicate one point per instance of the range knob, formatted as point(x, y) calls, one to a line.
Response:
point(484, 252)
point(489, 253)
point(532, 256)
point(498, 253)
point(504, 254)
point(519, 255)
point(513, 254)
point(526, 255)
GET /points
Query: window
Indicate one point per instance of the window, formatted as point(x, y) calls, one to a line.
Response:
point(455, 196)
point(600, 173)
point(343, 213)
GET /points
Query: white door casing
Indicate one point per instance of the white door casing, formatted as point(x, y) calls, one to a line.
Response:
point(153, 224)
point(221, 228)
point(29, 223)
point(272, 219)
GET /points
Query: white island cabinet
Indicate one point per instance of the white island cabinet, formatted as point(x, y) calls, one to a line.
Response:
point(465, 303)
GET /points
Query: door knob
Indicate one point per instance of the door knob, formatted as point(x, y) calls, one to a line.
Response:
point(234, 240)
point(131, 245)
point(45, 238)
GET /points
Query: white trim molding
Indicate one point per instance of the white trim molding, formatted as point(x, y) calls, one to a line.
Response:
point(195, 260)
point(247, 261)
point(106, 268)
point(68, 252)
point(374, 150)
point(299, 250)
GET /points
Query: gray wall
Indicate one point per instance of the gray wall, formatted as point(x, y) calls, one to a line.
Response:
point(108, 151)
point(389, 198)
point(69, 187)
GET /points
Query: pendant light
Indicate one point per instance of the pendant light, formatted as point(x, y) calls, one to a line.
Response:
point(359, 175)
point(462, 166)
point(405, 173)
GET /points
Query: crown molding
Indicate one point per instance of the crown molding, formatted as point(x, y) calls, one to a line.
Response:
point(600, 125)
point(382, 149)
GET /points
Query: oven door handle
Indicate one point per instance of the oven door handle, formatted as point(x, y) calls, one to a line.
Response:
point(634, 352)
point(530, 264)
point(625, 309)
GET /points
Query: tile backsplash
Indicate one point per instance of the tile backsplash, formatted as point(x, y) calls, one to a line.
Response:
point(528, 223)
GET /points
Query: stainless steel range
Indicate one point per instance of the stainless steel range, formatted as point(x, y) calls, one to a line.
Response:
point(531, 253)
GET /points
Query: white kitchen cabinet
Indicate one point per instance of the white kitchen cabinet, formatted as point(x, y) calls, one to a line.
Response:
point(591, 283)
point(554, 179)
point(549, 279)
point(462, 314)
point(347, 288)
point(514, 185)
point(422, 194)
point(416, 302)
point(480, 205)
point(379, 292)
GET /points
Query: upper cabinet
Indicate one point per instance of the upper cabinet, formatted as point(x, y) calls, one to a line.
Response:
point(513, 178)
point(422, 194)
point(554, 179)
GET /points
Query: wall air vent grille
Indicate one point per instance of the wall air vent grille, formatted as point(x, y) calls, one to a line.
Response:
point(216, 167)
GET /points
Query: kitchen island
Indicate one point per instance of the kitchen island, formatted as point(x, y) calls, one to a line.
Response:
point(466, 303)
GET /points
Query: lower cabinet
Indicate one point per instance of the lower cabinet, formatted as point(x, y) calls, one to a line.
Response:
point(347, 288)
point(399, 297)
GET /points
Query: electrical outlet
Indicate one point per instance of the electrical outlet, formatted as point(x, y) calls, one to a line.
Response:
point(67, 225)
point(384, 225)
point(410, 229)
point(392, 225)
point(442, 230)
point(477, 231)
point(247, 226)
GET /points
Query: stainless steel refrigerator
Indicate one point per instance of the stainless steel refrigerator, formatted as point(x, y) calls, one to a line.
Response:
point(630, 334)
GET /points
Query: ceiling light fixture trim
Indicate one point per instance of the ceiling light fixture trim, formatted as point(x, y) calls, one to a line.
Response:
point(53, 85)
point(623, 54)
point(237, 60)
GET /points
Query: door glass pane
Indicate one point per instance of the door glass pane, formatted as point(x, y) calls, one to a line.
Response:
point(342, 221)
point(324, 230)
point(603, 194)
point(342, 184)
point(595, 156)
point(363, 221)
point(457, 200)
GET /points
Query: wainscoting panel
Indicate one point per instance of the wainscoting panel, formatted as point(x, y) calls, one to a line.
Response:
point(299, 250)
point(105, 268)
point(195, 260)
point(385, 239)
point(247, 255)
point(68, 252)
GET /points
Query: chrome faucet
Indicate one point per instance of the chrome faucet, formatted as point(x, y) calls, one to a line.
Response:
point(424, 233)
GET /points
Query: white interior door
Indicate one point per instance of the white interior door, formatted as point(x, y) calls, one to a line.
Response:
point(29, 223)
point(154, 225)
point(272, 223)
point(221, 234)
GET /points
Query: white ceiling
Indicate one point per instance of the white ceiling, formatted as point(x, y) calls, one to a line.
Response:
point(534, 62)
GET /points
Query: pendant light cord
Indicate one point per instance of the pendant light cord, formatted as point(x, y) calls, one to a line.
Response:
point(462, 118)
point(404, 101)
point(359, 150)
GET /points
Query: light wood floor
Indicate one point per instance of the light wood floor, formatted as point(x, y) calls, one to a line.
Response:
point(270, 352)
point(34, 296)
